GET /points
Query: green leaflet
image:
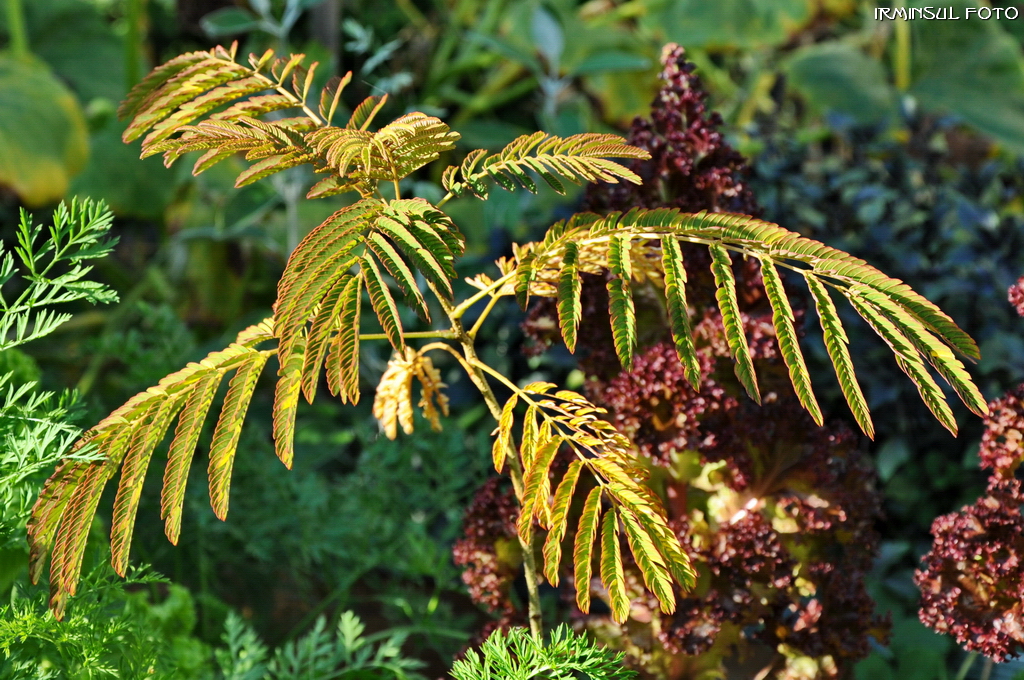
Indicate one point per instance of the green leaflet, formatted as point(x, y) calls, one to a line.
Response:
point(50, 506)
point(909, 362)
point(935, 352)
point(651, 563)
point(721, 266)
point(612, 574)
point(69, 549)
point(569, 288)
point(836, 344)
point(678, 312)
point(560, 521)
point(286, 402)
point(319, 336)
point(229, 428)
point(525, 272)
point(399, 271)
point(147, 435)
point(331, 96)
point(504, 432)
point(343, 360)
point(383, 304)
point(789, 345)
point(179, 457)
point(583, 551)
point(537, 486)
point(620, 301)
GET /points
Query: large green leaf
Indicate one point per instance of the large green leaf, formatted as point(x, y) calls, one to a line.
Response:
point(971, 68)
point(743, 24)
point(839, 77)
point(43, 138)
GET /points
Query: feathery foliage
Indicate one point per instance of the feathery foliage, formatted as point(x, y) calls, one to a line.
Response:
point(206, 102)
point(517, 655)
point(52, 271)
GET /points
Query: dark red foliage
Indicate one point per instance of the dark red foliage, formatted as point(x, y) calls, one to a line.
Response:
point(489, 524)
point(691, 167)
point(1001, 447)
point(1016, 295)
point(972, 580)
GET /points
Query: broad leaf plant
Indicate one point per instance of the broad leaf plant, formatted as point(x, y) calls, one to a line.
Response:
point(377, 247)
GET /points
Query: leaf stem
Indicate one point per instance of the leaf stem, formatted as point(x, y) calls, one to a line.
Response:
point(515, 468)
point(443, 335)
point(16, 27)
point(463, 307)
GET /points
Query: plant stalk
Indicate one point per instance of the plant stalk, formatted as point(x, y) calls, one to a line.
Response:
point(16, 27)
point(515, 470)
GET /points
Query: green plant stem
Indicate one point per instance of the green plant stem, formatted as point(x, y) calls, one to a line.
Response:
point(515, 468)
point(135, 16)
point(965, 666)
point(16, 28)
point(901, 64)
point(986, 670)
point(444, 335)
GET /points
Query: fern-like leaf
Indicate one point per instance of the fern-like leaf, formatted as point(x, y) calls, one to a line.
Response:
point(504, 434)
point(721, 265)
point(383, 304)
point(789, 345)
point(319, 336)
point(909, 362)
point(620, 300)
point(286, 401)
point(343, 360)
point(678, 311)
point(569, 289)
point(836, 342)
point(649, 559)
point(146, 436)
point(537, 486)
point(583, 552)
point(612, 574)
point(229, 428)
point(577, 158)
point(559, 521)
point(179, 457)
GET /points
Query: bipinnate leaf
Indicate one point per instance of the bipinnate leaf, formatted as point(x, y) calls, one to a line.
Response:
point(343, 360)
point(229, 428)
point(560, 521)
point(179, 457)
point(65, 509)
point(721, 266)
point(836, 343)
point(678, 311)
point(612, 574)
point(569, 289)
point(583, 551)
point(319, 260)
point(789, 345)
point(504, 434)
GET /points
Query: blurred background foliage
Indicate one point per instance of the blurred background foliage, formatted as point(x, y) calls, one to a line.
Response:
point(896, 141)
